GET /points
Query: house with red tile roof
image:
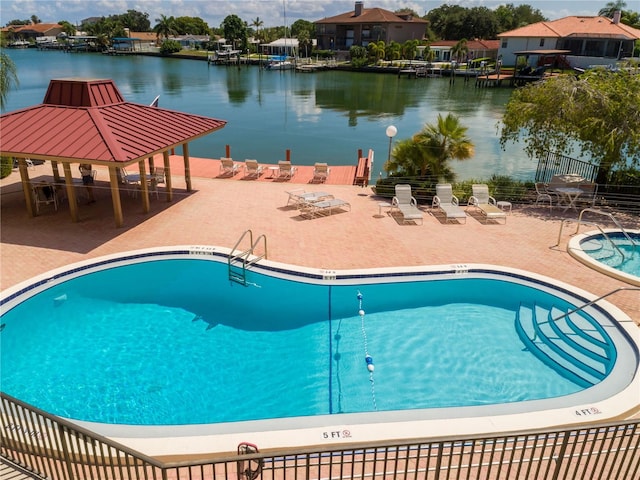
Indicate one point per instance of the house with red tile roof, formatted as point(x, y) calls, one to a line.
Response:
point(33, 31)
point(365, 25)
point(477, 49)
point(586, 40)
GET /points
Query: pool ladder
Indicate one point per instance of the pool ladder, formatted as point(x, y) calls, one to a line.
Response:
point(240, 261)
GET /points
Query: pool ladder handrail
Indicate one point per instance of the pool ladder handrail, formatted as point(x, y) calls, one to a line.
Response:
point(589, 303)
point(593, 224)
point(613, 219)
point(243, 257)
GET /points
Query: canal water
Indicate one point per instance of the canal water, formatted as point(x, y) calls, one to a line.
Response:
point(324, 116)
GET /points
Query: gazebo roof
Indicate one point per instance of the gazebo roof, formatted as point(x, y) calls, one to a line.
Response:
point(88, 120)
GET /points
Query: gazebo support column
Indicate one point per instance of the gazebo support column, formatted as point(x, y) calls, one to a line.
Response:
point(71, 192)
point(56, 173)
point(187, 167)
point(167, 169)
point(26, 186)
point(144, 186)
point(115, 196)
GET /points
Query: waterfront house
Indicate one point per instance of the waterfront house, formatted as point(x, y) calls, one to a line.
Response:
point(31, 32)
point(477, 49)
point(588, 40)
point(362, 26)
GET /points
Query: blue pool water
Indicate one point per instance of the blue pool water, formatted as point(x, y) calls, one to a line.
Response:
point(598, 248)
point(173, 342)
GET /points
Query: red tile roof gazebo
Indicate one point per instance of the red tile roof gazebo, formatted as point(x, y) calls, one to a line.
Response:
point(88, 121)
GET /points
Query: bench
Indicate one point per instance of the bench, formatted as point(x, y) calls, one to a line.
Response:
point(362, 172)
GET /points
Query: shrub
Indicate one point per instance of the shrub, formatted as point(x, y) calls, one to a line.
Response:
point(170, 46)
point(424, 188)
point(6, 165)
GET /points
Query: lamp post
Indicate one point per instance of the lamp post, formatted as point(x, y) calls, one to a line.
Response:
point(391, 132)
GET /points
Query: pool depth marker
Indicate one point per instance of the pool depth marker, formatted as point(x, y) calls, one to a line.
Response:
point(367, 358)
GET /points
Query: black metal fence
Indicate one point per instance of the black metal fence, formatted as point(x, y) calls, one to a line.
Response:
point(60, 450)
point(555, 164)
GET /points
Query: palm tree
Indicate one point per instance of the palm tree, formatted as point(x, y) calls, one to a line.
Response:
point(446, 140)
point(165, 27)
point(377, 50)
point(460, 50)
point(611, 7)
point(257, 23)
point(428, 152)
point(8, 77)
point(409, 49)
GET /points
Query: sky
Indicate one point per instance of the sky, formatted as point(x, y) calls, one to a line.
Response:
point(271, 12)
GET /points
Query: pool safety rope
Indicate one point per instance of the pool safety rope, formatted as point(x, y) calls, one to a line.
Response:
point(367, 358)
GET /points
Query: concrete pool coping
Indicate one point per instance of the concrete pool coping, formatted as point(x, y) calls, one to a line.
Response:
point(576, 250)
point(608, 399)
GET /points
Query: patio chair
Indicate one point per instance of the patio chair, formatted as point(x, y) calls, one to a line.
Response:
point(44, 194)
point(252, 169)
point(485, 203)
point(406, 204)
point(228, 168)
point(285, 170)
point(320, 173)
point(447, 203)
point(130, 180)
point(158, 177)
point(544, 195)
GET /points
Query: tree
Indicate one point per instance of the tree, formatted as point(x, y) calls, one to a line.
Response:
point(257, 23)
point(597, 113)
point(35, 20)
point(18, 22)
point(510, 17)
point(300, 25)
point(67, 27)
point(480, 22)
point(135, 21)
point(376, 50)
point(393, 51)
point(611, 7)
point(191, 26)
point(430, 150)
point(460, 50)
point(165, 27)
point(235, 30)
point(8, 77)
point(409, 49)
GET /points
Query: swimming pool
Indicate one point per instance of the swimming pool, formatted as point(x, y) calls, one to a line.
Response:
point(290, 350)
point(621, 261)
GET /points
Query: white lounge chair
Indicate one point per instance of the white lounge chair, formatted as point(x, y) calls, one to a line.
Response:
point(320, 173)
point(228, 168)
point(485, 203)
point(299, 197)
point(406, 204)
point(448, 203)
point(314, 209)
point(252, 169)
point(285, 170)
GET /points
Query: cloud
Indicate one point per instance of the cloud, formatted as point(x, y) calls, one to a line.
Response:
point(271, 12)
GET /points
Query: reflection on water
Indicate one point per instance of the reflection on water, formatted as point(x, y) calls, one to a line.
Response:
point(321, 117)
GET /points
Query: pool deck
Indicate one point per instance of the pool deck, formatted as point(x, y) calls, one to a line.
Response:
point(219, 210)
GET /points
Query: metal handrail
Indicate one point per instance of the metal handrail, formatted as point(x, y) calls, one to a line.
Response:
point(613, 219)
point(582, 307)
point(582, 222)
